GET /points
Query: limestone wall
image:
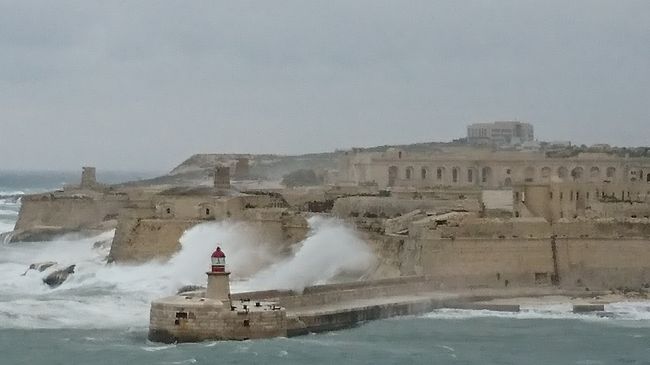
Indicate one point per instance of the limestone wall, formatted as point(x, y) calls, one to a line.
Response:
point(195, 321)
point(487, 262)
point(392, 207)
point(141, 239)
point(555, 201)
point(67, 213)
point(604, 263)
point(595, 263)
point(138, 240)
point(484, 168)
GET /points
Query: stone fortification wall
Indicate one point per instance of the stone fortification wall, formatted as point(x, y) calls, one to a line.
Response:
point(488, 228)
point(392, 207)
point(604, 263)
point(141, 236)
point(139, 240)
point(555, 201)
point(603, 228)
point(69, 213)
point(595, 263)
point(487, 262)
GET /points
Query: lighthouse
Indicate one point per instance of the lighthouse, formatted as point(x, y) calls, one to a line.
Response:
point(218, 281)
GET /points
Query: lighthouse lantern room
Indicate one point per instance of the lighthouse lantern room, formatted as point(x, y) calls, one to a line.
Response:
point(218, 260)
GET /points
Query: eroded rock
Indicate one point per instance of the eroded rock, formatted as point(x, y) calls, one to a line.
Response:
point(58, 277)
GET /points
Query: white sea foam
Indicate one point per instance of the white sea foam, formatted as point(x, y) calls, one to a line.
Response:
point(619, 312)
point(4, 193)
point(6, 226)
point(100, 295)
point(332, 249)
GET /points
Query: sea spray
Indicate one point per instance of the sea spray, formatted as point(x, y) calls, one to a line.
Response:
point(246, 247)
point(332, 249)
point(100, 295)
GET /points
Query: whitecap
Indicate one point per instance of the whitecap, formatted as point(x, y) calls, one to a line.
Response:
point(158, 348)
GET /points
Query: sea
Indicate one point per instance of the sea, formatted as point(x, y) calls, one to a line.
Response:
point(100, 314)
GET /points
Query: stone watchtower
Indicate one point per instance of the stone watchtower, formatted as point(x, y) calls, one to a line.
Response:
point(242, 168)
point(88, 178)
point(222, 177)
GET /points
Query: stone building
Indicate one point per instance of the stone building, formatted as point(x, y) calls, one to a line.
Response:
point(500, 133)
point(484, 168)
point(557, 200)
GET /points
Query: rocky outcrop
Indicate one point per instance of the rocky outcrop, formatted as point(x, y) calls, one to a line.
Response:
point(58, 277)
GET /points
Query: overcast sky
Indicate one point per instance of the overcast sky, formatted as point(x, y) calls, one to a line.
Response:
point(145, 84)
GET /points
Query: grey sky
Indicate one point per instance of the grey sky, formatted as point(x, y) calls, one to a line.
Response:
point(144, 84)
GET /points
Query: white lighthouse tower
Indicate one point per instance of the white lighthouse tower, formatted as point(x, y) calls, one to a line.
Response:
point(218, 281)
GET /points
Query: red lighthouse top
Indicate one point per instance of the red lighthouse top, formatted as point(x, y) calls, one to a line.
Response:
point(218, 261)
point(218, 253)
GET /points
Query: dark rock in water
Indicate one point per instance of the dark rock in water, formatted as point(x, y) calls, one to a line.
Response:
point(189, 288)
point(58, 277)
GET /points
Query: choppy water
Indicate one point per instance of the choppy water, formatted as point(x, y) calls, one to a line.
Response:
point(100, 314)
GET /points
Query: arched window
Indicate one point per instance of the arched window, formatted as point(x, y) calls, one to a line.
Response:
point(439, 172)
point(546, 172)
point(423, 173)
point(577, 173)
point(486, 172)
point(648, 178)
point(594, 172)
point(562, 172)
point(470, 175)
point(409, 173)
point(393, 172)
point(611, 171)
point(454, 174)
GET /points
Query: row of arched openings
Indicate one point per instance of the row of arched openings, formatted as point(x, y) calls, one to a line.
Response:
point(576, 174)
